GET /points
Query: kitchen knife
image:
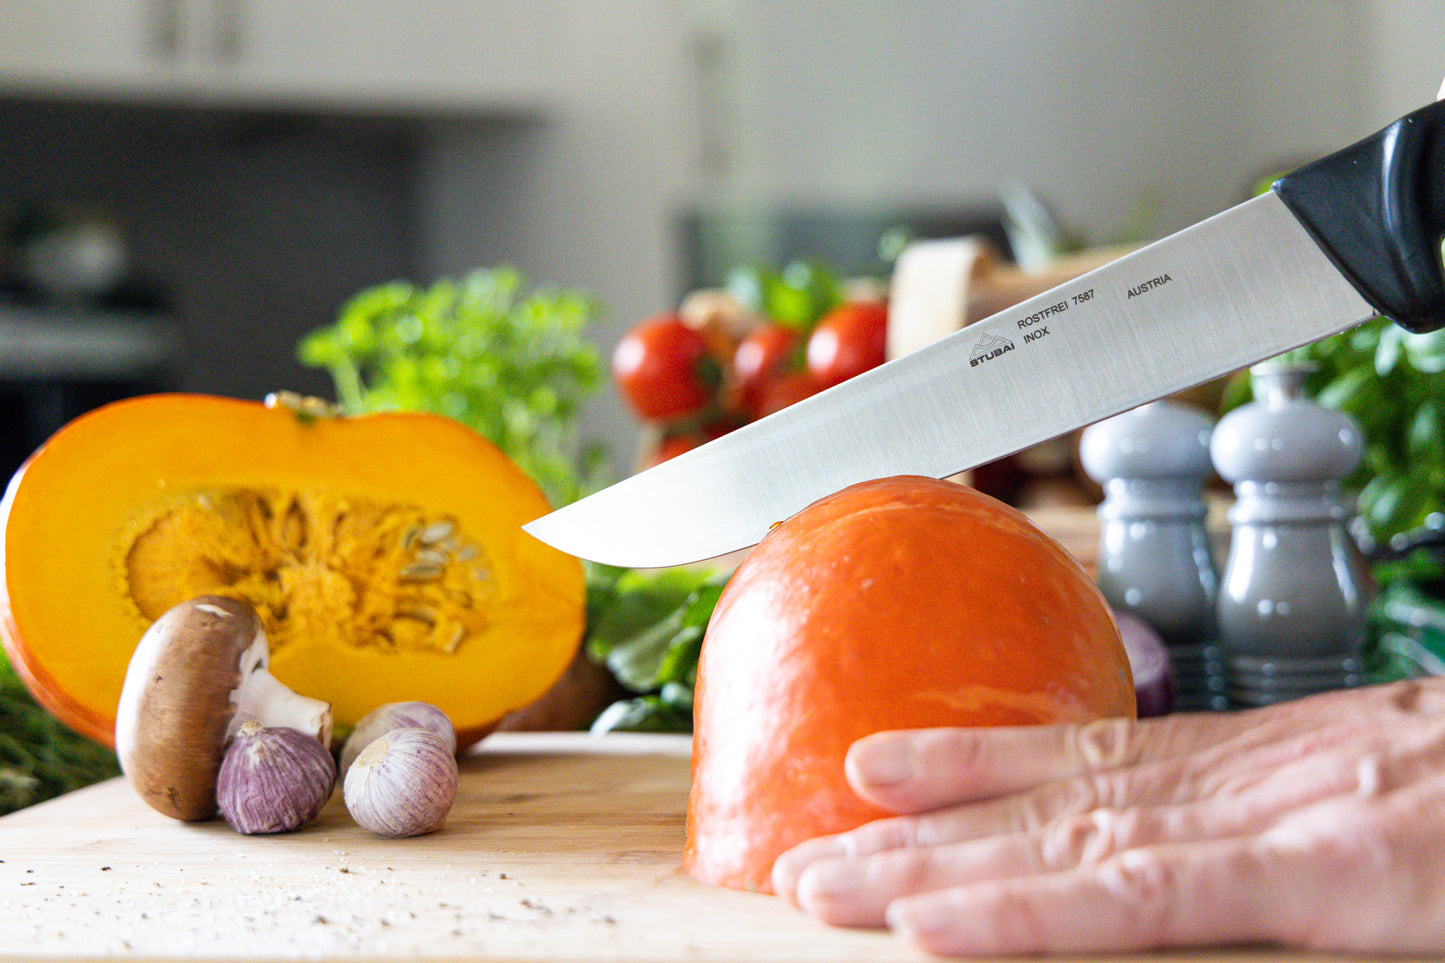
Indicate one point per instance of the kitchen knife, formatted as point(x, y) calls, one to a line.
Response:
point(1338, 242)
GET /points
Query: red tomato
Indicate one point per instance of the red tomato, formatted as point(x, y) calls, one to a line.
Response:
point(848, 341)
point(664, 369)
point(675, 444)
point(762, 357)
point(782, 391)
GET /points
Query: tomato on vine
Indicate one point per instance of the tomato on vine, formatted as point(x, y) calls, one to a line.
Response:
point(664, 369)
point(782, 391)
point(849, 340)
point(763, 356)
point(675, 443)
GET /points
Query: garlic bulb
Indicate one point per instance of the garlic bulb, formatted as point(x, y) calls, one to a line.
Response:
point(402, 783)
point(396, 715)
point(273, 779)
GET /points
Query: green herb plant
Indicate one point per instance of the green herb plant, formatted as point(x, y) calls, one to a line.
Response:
point(39, 757)
point(512, 364)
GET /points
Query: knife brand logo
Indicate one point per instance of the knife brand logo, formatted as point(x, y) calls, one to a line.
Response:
point(989, 346)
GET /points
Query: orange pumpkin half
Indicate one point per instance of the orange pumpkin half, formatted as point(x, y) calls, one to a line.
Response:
point(383, 553)
point(899, 603)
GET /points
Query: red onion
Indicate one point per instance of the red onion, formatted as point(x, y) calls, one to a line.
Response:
point(1149, 659)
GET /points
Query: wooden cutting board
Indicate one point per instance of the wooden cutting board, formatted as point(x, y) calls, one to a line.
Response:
point(559, 847)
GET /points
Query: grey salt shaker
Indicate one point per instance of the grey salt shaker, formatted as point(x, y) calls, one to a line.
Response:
point(1295, 591)
point(1155, 559)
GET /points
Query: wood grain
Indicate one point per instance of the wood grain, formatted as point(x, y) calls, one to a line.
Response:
point(560, 847)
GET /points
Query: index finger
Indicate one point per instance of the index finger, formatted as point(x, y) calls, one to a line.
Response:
point(925, 769)
point(918, 770)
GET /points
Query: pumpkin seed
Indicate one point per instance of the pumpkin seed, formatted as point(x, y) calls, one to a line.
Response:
point(431, 556)
point(437, 531)
point(459, 632)
point(420, 572)
point(423, 613)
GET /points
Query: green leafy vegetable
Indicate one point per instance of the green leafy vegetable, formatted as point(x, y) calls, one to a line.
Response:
point(647, 628)
point(39, 757)
point(514, 366)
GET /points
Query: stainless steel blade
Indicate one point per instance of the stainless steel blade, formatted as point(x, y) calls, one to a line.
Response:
point(1241, 286)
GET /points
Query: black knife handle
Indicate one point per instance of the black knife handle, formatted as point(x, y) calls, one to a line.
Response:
point(1377, 208)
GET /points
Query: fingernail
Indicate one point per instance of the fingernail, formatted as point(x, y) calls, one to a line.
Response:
point(834, 877)
point(790, 865)
point(883, 762)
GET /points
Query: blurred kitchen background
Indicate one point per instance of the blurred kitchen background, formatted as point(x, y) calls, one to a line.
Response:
point(189, 186)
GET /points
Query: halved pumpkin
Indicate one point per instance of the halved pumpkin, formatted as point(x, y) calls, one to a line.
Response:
point(383, 553)
point(899, 603)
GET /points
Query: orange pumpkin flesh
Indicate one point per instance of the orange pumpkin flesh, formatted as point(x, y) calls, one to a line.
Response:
point(894, 604)
point(384, 554)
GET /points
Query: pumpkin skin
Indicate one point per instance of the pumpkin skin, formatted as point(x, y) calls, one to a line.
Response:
point(900, 603)
point(111, 519)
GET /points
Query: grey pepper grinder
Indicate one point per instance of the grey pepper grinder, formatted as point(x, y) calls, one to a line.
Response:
point(1155, 559)
point(1295, 591)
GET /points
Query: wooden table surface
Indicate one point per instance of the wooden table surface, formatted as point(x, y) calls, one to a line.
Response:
point(559, 847)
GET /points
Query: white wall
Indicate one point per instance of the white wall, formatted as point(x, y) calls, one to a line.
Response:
point(586, 199)
point(1106, 107)
point(1405, 60)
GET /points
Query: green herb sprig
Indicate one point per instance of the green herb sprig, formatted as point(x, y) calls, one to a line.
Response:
point(512, 364)
point(39, 757)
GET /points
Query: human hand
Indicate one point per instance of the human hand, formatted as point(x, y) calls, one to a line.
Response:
point(1317, 823)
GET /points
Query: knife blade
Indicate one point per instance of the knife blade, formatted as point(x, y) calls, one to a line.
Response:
point(1348, 238)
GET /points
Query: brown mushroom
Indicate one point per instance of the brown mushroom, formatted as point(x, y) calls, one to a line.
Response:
point(197, 674)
